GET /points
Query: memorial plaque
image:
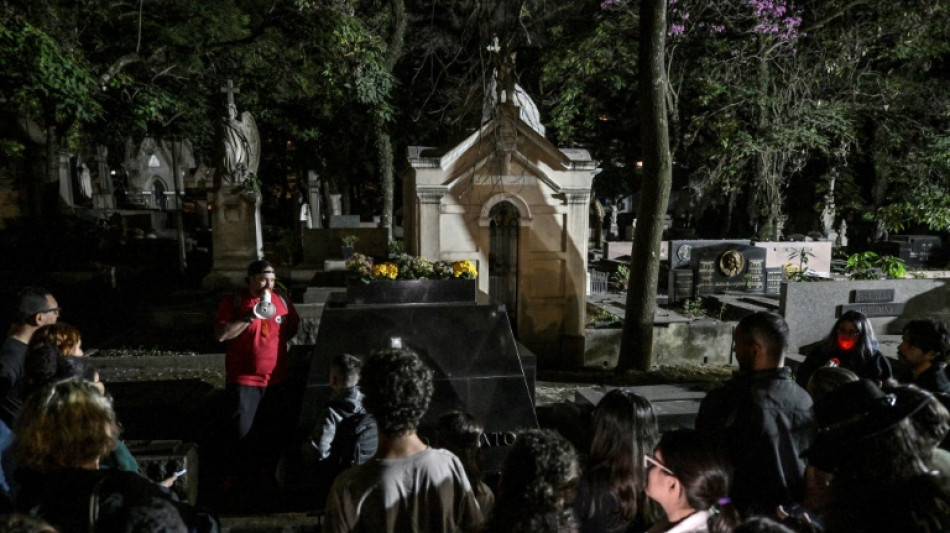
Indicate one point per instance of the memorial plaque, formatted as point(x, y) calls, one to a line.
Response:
point(874, 309)
point(773, 280)
point(730, 267)
point(680, 285)
point(876, 296)
point(923, 249)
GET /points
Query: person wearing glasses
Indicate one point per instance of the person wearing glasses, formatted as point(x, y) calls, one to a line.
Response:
point(690, 479)
point(35, 308)
point(851, 344)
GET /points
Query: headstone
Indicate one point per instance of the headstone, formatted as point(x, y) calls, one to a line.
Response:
point(65, 181)
point(344, 221)
point(336, 204)
point(478, 365)
point(104, 199)
point(781, 253)
point(313, 188)
point(811, 308)
point(919, 250)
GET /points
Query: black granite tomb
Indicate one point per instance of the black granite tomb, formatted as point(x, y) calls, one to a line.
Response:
point(915, 250)
point(479, 367)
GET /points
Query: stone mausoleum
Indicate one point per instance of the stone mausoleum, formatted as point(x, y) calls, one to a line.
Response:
point(516, 205)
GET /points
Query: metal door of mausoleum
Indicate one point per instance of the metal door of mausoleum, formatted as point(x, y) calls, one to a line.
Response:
point(503, 258)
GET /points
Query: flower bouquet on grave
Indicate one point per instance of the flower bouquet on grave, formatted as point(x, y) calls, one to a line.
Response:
point(361, 267)
point(464, 269)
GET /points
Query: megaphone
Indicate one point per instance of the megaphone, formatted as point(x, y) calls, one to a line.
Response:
point(264, 309)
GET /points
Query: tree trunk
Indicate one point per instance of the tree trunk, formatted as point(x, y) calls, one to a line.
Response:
point(636, 345)
point(384, 143)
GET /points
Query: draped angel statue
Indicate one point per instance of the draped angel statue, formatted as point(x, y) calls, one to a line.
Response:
point(242, 146)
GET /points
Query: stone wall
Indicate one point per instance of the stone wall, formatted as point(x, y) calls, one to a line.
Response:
point(811, 308)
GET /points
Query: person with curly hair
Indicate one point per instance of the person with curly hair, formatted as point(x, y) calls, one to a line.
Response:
point(63, 432)
point(923, 355)
point(690, 480)
point(610, 494)
point(406, 486)
point(850, 344)
point(538, 485)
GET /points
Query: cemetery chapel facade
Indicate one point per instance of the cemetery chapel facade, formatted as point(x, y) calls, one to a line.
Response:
point(517, 206)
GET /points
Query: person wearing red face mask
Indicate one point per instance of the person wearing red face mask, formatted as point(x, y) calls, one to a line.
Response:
point(852, 345)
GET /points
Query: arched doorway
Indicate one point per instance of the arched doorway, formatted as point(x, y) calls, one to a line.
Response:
point(503, 258)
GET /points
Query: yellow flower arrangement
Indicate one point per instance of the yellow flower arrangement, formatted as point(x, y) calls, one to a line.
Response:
point(464, 269)
point(385, 271)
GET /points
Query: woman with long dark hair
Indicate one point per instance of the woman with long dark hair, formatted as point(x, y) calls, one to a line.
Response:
point(610, 494)
point(851, 344)
point(690, 480)
point(460, 433)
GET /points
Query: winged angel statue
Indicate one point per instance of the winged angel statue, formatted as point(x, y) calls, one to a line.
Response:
point(242, 146)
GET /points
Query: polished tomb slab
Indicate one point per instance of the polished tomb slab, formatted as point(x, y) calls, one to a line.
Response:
point(478, 365)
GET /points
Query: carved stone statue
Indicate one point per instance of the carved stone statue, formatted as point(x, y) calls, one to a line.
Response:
point(241, 141)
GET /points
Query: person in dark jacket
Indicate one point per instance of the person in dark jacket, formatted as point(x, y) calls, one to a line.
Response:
point(761, 418)
point(923, 355)
point(346, 401)
point(851, 344)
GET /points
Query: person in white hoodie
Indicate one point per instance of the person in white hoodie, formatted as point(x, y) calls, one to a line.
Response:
point(690, 481)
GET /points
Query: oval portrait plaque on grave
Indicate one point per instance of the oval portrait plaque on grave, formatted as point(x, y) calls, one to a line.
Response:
point(731, 263)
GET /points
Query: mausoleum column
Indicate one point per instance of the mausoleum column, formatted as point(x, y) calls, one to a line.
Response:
point(430, 211)
point(578, 220)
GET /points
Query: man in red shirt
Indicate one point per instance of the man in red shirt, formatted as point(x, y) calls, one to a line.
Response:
point(256, 359)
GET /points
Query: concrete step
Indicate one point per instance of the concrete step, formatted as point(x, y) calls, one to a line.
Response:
point(278, 523)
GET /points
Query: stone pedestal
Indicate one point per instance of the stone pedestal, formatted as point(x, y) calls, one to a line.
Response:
point(236, 231)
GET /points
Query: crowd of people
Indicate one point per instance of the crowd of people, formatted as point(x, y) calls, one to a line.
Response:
point(846, 443)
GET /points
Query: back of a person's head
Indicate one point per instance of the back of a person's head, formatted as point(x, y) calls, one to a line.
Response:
point(932, 421)
point(537, 485)
point(63, 336)
point(458, 430)
point(770, 328)
point(68, 424)
point(929, 335)
point(39, 366)
point(29, 301)
point(397, 386)
point(703, 472)
point(828, 378)
point(151, 515)
point(625, 429)
point(347, 367)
